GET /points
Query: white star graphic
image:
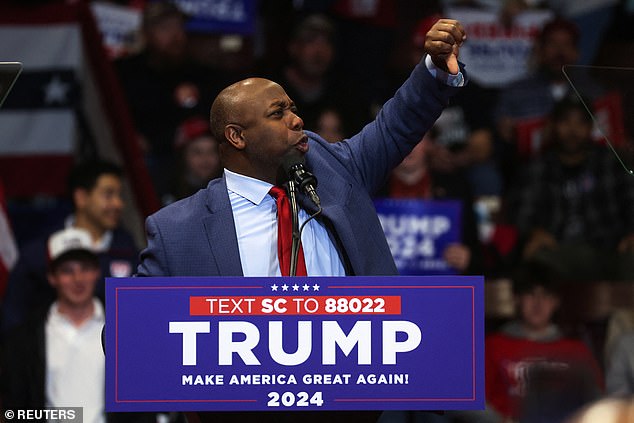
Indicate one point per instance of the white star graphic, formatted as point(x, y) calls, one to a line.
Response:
point(315, 287)
point(274, 287)
point(306, 287)
point(284, 287)
point(295, 287)
point(56, 91)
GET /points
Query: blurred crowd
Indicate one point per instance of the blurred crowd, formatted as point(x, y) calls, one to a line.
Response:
point(537, 149)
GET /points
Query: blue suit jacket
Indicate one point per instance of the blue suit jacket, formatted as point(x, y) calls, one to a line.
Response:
point(196, 236)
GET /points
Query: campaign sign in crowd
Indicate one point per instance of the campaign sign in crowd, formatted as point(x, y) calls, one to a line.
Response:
point(418, 231)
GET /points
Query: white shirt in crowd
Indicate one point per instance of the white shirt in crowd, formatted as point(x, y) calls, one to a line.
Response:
point(75, 364)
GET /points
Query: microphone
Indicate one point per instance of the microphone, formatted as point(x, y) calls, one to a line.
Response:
point(306, 181)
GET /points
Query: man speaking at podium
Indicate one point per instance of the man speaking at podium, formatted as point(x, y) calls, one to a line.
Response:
point(231, 227)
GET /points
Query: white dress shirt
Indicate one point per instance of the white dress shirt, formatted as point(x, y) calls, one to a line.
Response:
point(255, 216)
point(75, 364)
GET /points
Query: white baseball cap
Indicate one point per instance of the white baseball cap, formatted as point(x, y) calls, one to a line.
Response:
point(70, 242)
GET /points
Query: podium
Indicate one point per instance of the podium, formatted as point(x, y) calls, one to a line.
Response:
point(229, 344)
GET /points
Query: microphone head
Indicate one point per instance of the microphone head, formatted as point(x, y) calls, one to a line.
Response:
point(284, 170)
point(294, 169)
point(290, 165)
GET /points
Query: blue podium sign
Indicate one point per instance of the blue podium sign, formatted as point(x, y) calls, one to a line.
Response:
point(248, 344)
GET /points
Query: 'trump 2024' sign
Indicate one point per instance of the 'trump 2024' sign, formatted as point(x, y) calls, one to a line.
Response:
point(418, 231)
point(373, 343)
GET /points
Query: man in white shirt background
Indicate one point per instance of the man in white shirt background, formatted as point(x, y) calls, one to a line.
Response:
point(56, 358)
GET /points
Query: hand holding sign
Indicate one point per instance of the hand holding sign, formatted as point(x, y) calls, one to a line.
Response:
point(457, 256)
point(443, 42)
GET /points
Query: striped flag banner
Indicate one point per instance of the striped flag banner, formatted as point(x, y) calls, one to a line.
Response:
point(38, 121)
point(66, 102)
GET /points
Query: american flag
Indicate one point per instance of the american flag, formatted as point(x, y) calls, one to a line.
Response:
point(66, 104)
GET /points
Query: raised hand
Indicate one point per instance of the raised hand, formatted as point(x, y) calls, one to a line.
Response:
point(442, 43)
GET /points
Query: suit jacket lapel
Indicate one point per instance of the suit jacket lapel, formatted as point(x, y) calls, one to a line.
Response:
point(221, 232)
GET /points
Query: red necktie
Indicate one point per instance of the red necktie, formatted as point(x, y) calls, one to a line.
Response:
point(285, 234)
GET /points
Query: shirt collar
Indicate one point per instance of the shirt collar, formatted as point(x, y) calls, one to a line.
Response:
point(98, 314)
point(252, 189)
point(101, 245)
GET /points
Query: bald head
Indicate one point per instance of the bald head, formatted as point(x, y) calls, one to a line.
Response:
point(232, 104)
point(258, 126)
